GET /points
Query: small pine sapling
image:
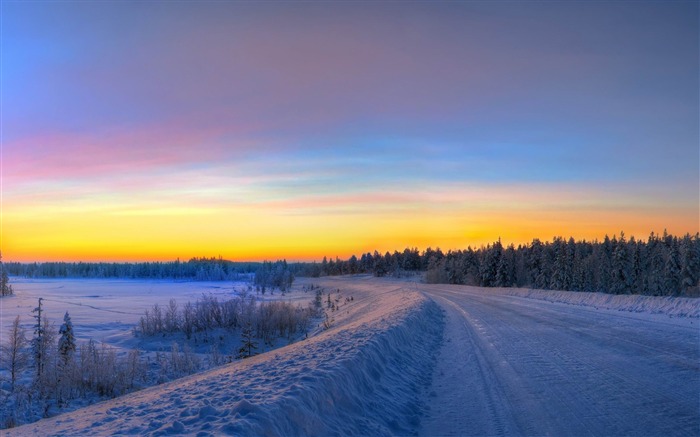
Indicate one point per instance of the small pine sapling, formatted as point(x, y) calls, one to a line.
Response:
point(249, 345)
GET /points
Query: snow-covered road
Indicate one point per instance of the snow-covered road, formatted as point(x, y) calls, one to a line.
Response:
point(515, 366)
point(492, 362)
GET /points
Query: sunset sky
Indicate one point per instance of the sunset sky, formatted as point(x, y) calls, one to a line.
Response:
point(156, 130)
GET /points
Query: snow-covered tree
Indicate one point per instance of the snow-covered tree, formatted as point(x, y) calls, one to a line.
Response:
point(690, 255)
point(380, 267)
point(38, 343)
point(171, 321)
point(637, 269)
point(655, 269)
point(505, 272)
point(66, 343)
point(562, 276)
point(13, 352)
point(672, 269)
point(5, 287)
point(46, 380)
point(620, 268)
point(489, 266)
point(604, 261)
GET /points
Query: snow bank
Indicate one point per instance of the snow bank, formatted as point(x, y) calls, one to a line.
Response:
point(363, 376)
point(672, 306)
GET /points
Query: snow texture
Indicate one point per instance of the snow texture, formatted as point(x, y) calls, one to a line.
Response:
point(671, 306)
point(405, 358)
point(517, 366)
point(363, 376)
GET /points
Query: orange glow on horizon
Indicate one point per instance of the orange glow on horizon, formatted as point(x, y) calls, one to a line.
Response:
point(256, 233)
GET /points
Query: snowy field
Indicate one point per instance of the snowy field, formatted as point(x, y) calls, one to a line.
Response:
point(364, 375)
point(107, 310)
point(404, 358)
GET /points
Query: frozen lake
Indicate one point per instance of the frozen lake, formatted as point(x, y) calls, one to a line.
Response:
point(106, 310)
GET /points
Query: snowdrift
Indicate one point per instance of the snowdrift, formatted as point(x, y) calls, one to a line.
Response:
point(363, 376)
point(672, 306)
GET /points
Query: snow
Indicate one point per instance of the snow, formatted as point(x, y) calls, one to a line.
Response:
point(102, 310)
point(365, 375)
point(671, 306)
point(510, 365)
point(107, 310)
point(404, 358)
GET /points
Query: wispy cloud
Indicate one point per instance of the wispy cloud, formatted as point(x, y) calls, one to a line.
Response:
point(263, 127)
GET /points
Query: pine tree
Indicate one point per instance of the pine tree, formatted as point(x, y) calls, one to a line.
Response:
point(380, 267)
point(489, 267)
point(505, 272)
point(655, 276)
point(534, 264)
point(690, 271)
point(5, 287)
point(604, 264)
point(38, 340)
point(620, 273)
point(578, 278)
point(672, 270)
point(636, 280)
point(249, 344)
point(562, 275)
point(66, 343)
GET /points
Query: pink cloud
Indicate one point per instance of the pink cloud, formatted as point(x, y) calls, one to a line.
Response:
point(78, 156)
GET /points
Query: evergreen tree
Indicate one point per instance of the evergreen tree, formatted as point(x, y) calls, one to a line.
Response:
point(544, 277)
point(604, 264)
point(380, 267)
point(533, 264)
point(38, 341)
point(672, 270)
point(589, 276)
point(5, 287)
point(655, 276)
point(562, 275)
point(620, 268)
point(578, 278)
point(489, 267)
point(66, 343)
point(353, 265)
point(637, 272)
point(249, 346)
point(505, 272)
point(690, 271)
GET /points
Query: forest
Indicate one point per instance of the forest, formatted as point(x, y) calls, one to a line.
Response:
point(660, 266)
point(196, 269)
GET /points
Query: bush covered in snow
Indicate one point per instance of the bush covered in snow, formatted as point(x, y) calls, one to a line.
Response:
point(267, 319)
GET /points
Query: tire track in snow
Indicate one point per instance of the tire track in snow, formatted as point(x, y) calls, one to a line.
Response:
point(568, 372)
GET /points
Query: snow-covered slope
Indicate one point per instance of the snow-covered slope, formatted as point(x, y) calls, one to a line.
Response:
point(365, 375)
point(671, 306)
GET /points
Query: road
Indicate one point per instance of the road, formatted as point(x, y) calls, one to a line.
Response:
point(513, 366)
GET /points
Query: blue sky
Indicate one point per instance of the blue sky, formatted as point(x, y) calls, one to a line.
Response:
point(470, 117)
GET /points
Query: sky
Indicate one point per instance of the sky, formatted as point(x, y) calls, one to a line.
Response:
point(263, 130)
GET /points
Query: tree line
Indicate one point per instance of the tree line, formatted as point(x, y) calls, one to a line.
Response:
point(196, 269)
point(661, 265)
point(273, 275)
